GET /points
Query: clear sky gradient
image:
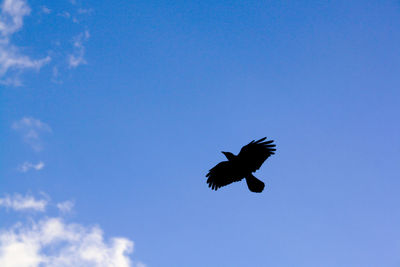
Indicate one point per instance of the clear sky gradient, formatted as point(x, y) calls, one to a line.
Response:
point(159, 88)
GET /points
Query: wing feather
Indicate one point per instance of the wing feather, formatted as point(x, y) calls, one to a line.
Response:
point(221, 175)
point(253, 155)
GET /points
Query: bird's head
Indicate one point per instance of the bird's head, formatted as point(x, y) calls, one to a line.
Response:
point(229, 155)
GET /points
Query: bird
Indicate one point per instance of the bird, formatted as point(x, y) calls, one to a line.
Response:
point(249, 160)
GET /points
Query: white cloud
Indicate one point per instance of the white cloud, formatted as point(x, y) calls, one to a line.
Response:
point(11, 21)
point(31, 129)
point(77, 57)
point(22, 203)
point(26, 166)
point(52, 242)
point(65, 206)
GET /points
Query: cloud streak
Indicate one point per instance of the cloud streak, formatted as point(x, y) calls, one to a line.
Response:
point(77, 57)
point(18, 202)
point(31, 130)
point(14, 61)
point(46, 10)
point(12, 15)
point(65, 206)
point(11, 20)
point(26, 166)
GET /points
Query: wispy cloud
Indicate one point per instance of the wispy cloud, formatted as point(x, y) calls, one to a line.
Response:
point(31, 129)
point(65, 206)
point(87, 11)
point(12, 15)
point(26, 166)
point(11, 59)
point(11, 20)
point(77, 57)
point(50, 241)
point(46, 10)
point(65, 14)
point(14, 60)
point(22, 203)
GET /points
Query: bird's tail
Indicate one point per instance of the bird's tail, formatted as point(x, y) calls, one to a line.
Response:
point(254, 184)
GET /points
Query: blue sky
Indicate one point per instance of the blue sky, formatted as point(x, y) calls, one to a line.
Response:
point(111, 114)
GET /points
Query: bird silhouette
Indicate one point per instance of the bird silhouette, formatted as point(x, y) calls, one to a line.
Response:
point(249, 159)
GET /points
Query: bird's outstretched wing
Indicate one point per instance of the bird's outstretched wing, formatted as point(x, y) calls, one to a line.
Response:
point(253, 155)
point(222, 174)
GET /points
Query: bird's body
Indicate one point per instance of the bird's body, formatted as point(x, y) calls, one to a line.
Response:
point(249, 159)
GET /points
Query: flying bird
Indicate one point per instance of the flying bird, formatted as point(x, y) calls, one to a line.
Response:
point(249, 159)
